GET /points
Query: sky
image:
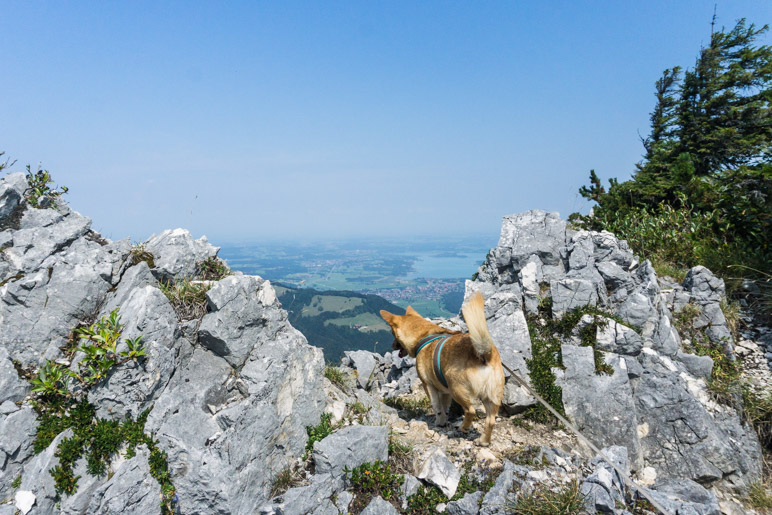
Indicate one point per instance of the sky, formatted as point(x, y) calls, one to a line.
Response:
point(255, 121)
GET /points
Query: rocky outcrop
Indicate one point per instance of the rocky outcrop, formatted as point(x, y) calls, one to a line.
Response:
point(655, 403)
point(229, 396)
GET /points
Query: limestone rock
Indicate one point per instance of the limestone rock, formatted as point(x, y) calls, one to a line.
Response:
point(131, 489)
point(440, 471)
point(378, 506)
point(176, 254)
point(351, 447)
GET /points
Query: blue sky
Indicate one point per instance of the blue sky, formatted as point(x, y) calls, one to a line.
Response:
point(249, 121)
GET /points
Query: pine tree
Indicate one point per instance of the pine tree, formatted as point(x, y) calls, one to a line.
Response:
point(724, 114)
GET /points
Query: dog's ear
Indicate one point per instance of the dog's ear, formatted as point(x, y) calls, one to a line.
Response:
point(411, 311)
point(387, 316)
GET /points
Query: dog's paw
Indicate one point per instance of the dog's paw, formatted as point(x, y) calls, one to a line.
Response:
point(480, 443)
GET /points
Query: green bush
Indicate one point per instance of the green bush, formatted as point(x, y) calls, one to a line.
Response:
point(39, 194)
point(373, 479)
point(319, 432)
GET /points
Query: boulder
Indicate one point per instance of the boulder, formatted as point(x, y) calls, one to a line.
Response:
point(601, 406)
point(350, 447)
point(440, 471)
point(176, 254)
point(131, 489)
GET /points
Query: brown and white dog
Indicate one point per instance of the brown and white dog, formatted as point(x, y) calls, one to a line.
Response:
point(464, 366)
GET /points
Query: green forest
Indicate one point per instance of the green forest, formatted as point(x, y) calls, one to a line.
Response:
point(315, 312)
point(701, 195)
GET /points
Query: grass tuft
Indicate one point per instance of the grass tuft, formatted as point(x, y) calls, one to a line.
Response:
point(188, 298)
point(337, 376)
point(543, 501)
point(411, 408)
point(139, 253)
point(212, 269)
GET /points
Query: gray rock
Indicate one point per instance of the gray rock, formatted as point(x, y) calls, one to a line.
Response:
point(601, 406)
point(687, 491)
point(500, 497)
point(409, 488)
point(244, 309)
point(38, 480)
point(38, 311)
point(130, 490)
point(176, 254)
point(698, 366)
point(617, 338)
point(364, 363)
point(351, 447)
point(570, 293)
point(18, 430)
point(12, 387)
point(216, 424)
point(467, 505)
point(344, 501)
point(378, 506)
point(703, 286)
point(12, 188)
point(310, 499)
point(440, 471)
point(79, 501)
point(681, 438)
point(134, 386)
point(34, 244)
point(523, 236)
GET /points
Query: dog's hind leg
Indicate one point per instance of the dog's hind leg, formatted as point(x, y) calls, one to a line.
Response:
point(435, 397)
point(445, 399)
point(491, 411)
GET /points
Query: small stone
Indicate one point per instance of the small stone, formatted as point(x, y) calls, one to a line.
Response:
point(24, 499)
point(647, 476)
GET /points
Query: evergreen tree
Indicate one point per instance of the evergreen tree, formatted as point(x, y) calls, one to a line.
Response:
point(724, 114)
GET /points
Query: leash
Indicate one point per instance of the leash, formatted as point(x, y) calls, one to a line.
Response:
point(629, 483)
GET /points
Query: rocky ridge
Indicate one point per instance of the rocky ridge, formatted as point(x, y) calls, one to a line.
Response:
point(228, 396)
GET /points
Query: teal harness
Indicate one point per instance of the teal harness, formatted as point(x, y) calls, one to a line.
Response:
point(423, 342)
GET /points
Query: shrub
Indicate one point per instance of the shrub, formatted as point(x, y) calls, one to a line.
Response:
point(39, 194)
point(373, 479)
point(97, 439)
point(319, 432)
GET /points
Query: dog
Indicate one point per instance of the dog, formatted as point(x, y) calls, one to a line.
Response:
point(464, 366)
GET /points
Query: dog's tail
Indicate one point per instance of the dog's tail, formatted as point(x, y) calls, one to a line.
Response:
point(474, 316)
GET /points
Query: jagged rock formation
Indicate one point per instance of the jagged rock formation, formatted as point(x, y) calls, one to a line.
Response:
point(655, 402)
point(229, 400)
point(230, 394)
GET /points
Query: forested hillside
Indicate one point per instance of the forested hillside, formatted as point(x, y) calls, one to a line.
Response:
point(337, 321)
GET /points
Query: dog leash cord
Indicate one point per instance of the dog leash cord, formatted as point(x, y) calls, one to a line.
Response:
point(628, 481)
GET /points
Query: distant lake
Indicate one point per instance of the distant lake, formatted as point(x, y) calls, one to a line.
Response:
point(432, 265)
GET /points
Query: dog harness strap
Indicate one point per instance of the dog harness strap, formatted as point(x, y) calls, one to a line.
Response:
point(426, 341)
point(436, 362)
